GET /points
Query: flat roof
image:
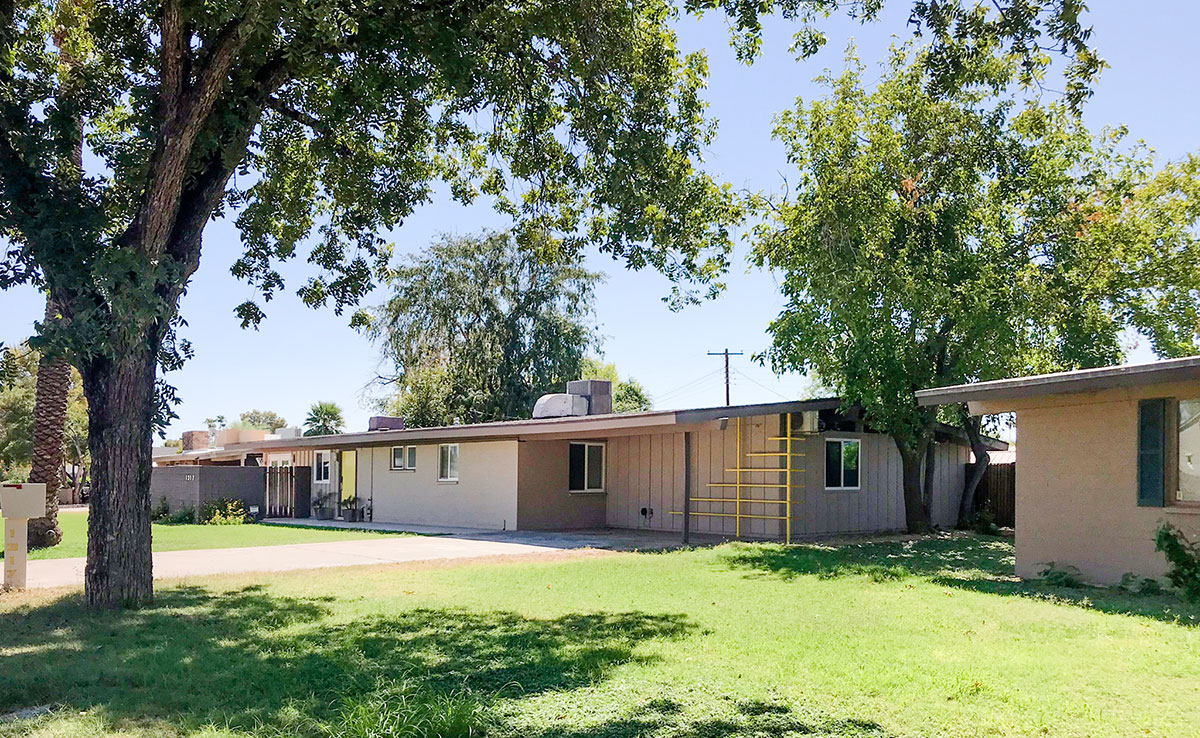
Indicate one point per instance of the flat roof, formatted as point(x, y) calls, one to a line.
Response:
point(1082, 380)
point(541, 426)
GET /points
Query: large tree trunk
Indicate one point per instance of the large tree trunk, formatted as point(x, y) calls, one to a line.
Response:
point(120, 393)
point(927, 479)
point(971, 426)
point(49, 421)
point(916, 512)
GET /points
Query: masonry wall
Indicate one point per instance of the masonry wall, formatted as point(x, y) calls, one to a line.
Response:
point(1077, 486)
point(193, 487)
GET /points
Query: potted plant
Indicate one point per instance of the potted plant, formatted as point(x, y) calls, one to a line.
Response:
point(322, 510)
point(350, 511)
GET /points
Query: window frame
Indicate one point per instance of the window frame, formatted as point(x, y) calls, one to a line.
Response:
point(1174, 449)
point(457, 457)
point(842, 440)
point(322, 460)
point(407, 459)
point(587, 445)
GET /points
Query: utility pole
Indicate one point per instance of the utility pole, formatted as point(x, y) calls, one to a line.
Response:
point(726, 354)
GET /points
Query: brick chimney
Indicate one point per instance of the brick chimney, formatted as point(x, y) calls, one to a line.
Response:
point(195, 440)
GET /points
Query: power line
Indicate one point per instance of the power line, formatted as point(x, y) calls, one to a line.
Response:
point(688, 385)
point(760, 384)
point(726, 354)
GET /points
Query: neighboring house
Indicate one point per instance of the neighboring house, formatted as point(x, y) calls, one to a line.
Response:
point(1106, 456)
point(629, 471)
point(197, 449)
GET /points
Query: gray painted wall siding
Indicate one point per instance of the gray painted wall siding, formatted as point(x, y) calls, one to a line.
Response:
point(647, 472)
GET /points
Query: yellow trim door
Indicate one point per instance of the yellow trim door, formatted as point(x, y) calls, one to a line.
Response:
point(349, 474)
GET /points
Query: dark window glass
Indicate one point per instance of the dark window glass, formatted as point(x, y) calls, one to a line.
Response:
point(595, 467)
point(412, 457)
point(833, 464)
point(850, 463)
point(397, 457)
point(578, 467)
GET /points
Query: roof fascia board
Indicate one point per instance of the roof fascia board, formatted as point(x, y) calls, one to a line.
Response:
point(1087, 380)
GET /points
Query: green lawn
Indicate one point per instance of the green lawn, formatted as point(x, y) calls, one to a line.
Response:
point(932, 638)
point(191, 537)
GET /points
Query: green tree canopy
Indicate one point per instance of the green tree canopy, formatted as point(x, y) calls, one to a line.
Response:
point(324, 419)
point(478, 327)
point(262, 420)
point(628, 394)
point(932, 240)
point(579, 118)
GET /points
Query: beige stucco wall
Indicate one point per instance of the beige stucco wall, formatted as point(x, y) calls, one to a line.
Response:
point(1077, 486)
point(485, 495)
point(543, 499)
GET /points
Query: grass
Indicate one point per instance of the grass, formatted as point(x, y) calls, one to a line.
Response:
point(192, 537)
point(926, 638)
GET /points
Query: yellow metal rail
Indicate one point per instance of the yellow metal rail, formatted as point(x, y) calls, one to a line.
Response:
point(786, 468)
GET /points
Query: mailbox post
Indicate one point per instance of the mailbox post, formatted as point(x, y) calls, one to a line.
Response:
point(19, 503)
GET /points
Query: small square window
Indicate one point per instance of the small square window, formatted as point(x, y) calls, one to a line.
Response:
point(398, 458)
point(448, 462)
point(842, 463)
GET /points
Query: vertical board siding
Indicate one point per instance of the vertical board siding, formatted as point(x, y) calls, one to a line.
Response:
point(647, 471)
point(998, 492)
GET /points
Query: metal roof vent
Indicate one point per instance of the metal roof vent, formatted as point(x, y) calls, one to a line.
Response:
point(583, 397)
point(560, 406)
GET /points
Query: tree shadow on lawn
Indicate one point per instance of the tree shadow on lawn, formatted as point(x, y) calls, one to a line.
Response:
point(264, 663)
point(664, 718)
point(971, 562)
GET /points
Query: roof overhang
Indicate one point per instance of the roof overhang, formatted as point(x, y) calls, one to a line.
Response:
point(1000, 393)
point(520, 429)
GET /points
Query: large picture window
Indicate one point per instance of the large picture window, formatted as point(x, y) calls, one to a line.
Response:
point(448, 462)
point(842, 463)
point(1189, 451)
point(586, 472)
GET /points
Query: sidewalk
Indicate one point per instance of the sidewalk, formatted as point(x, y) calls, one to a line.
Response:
point(175, 564)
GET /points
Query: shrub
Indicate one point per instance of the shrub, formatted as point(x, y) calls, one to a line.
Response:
point(1183, 559)
point(185, 515)
point(225, 511)
point(161, 510)
point(1135, 584)
point(983, 521)
point(1065, 576)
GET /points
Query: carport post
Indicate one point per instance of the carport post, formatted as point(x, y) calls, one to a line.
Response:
point(687, 487)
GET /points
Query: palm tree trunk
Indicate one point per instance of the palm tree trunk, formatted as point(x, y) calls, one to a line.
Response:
point(49, 422)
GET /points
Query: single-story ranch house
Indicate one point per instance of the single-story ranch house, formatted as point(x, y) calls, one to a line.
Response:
point(769, 471)
point(1106, 456)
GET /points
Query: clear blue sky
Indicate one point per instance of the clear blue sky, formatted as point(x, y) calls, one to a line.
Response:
point(300, 356)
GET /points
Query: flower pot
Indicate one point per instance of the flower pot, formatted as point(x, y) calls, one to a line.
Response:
point(323, 513)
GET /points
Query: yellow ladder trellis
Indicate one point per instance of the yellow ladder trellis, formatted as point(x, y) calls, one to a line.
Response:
point(786, 468)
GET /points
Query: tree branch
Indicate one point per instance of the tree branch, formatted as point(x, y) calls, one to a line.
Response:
point(177, 135)
point(171, 59)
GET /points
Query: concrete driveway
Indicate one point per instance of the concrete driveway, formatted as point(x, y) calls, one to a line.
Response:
point(460, 544)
